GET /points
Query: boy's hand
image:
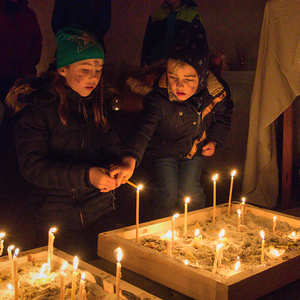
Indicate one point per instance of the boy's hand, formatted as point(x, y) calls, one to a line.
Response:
point(209, 149)
point(123, 171)
point(100, 179)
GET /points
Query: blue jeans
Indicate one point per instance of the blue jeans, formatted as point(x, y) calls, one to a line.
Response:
point(176, 179)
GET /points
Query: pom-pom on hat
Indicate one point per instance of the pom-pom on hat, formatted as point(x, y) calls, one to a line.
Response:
point(74, 45)
point(192, 48)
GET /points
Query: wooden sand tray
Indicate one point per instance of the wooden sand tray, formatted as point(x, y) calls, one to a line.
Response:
point(93, 274)
point(196, 283)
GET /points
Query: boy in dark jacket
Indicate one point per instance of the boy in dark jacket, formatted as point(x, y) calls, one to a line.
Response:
point(184, 118)
point(64, 142)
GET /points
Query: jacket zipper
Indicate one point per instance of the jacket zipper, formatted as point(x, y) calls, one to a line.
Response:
point(74, 191)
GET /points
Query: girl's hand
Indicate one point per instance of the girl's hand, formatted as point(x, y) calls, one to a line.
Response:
point(100, 179)
point(209, 149)
point(123, 171)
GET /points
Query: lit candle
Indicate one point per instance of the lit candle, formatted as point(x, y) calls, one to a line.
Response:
point(262, 234)
point(173, 227)
point(43, 278)
point(132, 184)
point(81, 287)
point(186, 262)
point(137, 210)
point(197, 242)
point(237, 265)
point(118, 272)
point(221, 240)
point(243, 210)
point(11, 289)
point(187, 200)
point(216, 258)
point(230, 191)
point(74, 276)
point(50, 247)
point(16, 276)
point(2, 234)
point(239, 219)
point(10, 258)
point(214, 197)
point(274, 224)
point(62, 280)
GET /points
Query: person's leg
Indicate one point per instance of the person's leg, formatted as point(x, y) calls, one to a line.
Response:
point(165, 191)
point(190, 171)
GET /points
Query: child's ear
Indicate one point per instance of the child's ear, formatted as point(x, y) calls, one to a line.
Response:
point(62, 71)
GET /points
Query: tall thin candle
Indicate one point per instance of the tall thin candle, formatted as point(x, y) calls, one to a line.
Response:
point(50, 248)
point(74, 276)
point(118, 272)
point(2, 234)
point(230, 191)
point(187, 200)
point(137, 211)
point(274, 224)
point(243, 209)
point(16, 276)
point(262, 234)
point(62, 280)
point(214, 198)
point(10, 258)
point(239, 220)
point(81, 287)
point(216, 258)
point(173, 227)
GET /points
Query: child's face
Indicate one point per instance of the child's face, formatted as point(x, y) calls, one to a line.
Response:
point(183, 79)
point(83, 76)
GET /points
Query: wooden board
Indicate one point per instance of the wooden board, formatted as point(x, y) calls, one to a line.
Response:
point(107, 281)
point(196, 283)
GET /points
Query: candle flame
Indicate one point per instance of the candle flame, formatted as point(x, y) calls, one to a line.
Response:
point(10, 247)
point(2, 234)
point(187, 199)
point(274, 218)
point(139, 187)
point(262, 234)
point(16, 253)
point(168, 235)
point(233, 173)
point(239, 212)
point(83, 276)
point(219, 246)
point(243, 200)
point(237, 265)
point(52, 230)
point(10, 287)
point(43, 269)
point(75, 263)
point(186, 262)
point(293, 234)
point(215, 177)
point(119, 254)
point(175, 216)
point(197, 232)
point(64, 266)
point(222, 233)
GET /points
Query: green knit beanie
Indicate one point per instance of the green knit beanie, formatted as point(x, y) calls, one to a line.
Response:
point(74, 45)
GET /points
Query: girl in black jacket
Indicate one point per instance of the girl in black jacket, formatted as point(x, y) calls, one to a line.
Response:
point(185, 116)
point(64, 142)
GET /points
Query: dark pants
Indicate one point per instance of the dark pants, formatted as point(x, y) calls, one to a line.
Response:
point(174, 180)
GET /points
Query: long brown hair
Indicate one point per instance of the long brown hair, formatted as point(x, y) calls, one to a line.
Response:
point(59, 85)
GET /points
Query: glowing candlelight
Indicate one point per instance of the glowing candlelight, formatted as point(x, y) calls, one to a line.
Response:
point(74, 276)
point(239, 219)
point(11, 288)
point(168, 237)
point(230, 191)
point(187, 200)
point(197, 242)
point(274, 224)
point(132, 184)
point(214, 197)
point(216, 258)
point(243, 210)
point(186, 262)
point(118, 272)
point(62, 280)
point(2, 234)
point(237, 265)
point(16, 275)
point(10, 258)
point(50, 248)
point(262, 234)
point(137, 210)
point(173, 227)
point(81, 287)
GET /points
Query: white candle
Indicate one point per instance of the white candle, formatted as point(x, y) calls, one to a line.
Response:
point(230, 191)
point(74, 276)
point(243, 210)
point(10, 258)
point(197, 242)
point(173, 227)
point(214, 198)
point(137, 211)
point(2, 234)
point(118, 272)
point(239, 219)
point(50, 247)
point(216, 258)
point(262, 234)
point(62, 280)
point(16, 275)
point(187, 200)
point(81, 287)
point(237, 265)
point(274, 224)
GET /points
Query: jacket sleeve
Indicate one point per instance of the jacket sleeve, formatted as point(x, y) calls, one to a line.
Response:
point(37, 164)
point(222, 114)
point(142, 131)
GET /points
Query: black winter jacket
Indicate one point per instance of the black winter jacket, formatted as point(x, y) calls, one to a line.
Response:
point(57, 158)
point(173, 129)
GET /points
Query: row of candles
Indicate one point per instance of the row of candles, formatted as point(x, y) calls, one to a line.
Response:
point(43, 278)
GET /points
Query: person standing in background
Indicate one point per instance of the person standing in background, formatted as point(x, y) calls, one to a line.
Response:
point(164, 25)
